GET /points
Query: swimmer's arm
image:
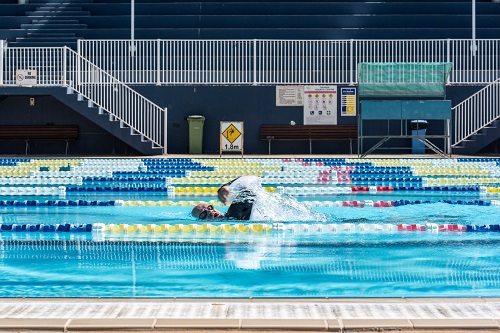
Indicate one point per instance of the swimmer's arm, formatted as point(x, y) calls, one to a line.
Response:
point(238, 184)
point(223, 193)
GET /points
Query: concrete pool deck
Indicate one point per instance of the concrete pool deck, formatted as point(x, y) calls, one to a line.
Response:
point(336, 315)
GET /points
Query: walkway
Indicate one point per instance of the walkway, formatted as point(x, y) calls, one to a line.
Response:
point(259, 314)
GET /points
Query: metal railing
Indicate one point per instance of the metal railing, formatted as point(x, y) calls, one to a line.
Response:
point(119, 100)
point(269, 62)
point(476, 112)
point(61, 66)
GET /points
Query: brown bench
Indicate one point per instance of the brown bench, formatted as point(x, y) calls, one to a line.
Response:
point(309, 132)
point(29, 133)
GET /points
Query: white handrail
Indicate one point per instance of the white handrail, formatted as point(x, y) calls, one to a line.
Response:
point(113, 96)
point(61, 66)
point(269, 62)
point(476, 112)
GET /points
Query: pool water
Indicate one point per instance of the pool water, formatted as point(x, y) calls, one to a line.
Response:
point(430, 230)
point(278, 264)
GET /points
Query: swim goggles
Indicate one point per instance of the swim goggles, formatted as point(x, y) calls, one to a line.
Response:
point(203, 215)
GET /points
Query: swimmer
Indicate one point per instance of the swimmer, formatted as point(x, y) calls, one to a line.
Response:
point(240, 192)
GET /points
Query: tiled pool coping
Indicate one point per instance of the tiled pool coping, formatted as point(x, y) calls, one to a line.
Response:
point(250, 314)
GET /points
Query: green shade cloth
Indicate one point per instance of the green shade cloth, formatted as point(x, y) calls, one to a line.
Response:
point(396, 79)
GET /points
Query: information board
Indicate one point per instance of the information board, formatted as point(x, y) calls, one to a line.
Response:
point(289, 95)
point(231, 136)
point(320, 105)
point(348, 101)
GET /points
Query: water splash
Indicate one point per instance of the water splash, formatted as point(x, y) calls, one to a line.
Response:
point(277, 207)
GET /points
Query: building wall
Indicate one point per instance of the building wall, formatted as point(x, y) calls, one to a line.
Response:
point(253, 105)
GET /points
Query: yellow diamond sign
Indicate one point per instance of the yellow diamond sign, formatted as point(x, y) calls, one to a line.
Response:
point(231, 133)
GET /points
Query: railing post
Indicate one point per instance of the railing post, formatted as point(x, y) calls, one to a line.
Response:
point(165, 131)
point(64, 67)
point(351, 61)
point(158, 62)
point(2, 45)
point(255, 62)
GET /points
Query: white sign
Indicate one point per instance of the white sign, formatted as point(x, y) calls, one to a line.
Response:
point(26, 77)
point(231, 136)
point(320, 105)
point(289, 96)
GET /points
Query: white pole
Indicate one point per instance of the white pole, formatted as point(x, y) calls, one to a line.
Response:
point(165, 132)
point(132, 26)
point(473, 47)
point(132, 19)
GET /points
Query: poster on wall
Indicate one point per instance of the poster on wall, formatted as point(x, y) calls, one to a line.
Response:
point(348, 102)
point(231, 137)
point(320, 105)
point(289, 95)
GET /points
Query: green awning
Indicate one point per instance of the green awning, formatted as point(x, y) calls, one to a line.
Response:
point(398, 79)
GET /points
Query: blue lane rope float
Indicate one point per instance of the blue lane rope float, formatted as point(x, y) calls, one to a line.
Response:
point(325, 203)
point(154, 174)
point(243, 228)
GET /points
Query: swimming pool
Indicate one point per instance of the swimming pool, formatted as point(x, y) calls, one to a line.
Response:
point(128, 233)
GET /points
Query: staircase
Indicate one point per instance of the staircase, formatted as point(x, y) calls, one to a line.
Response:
point(54, 23)
point(106, 121)
point(477, 121)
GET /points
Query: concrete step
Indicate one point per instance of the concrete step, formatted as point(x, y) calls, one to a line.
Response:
point(58, 8)
point(55, 21)
point(71, 45)
point(54, 39)
point(50, 31)
point(53, 34)
point(53, 26)
point(58, 13)
point(59, 2)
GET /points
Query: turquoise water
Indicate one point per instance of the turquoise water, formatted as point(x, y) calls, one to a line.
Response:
point(277, 264)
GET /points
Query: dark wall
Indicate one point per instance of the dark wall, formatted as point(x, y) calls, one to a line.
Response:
point(253, 105)
point(92, 140)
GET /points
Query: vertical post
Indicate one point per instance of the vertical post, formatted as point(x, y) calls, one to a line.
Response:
point(255, 62)
point(448, 141)
point(351, 60)
point(132, 28)
point(64, 66)
point(165, 132)
point(132, 20)
point(158, 62)
point(2, 45)
point(473, 46)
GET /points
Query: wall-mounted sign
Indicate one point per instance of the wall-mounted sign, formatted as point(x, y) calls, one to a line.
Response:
point(289, 95)
point(231, 136)
point(26, 77)
point(348, 101)
point(320, 105)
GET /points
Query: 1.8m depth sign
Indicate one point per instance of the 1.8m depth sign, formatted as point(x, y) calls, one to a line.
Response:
point(231, 137)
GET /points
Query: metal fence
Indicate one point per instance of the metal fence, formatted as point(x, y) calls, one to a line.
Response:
point(269, 62)
point(101, 70)
point(476, 112)
point(63, 67)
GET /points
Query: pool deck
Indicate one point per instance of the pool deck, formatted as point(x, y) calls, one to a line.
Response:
point(336, 315)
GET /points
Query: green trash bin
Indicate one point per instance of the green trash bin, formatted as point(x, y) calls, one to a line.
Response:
point(196, 134)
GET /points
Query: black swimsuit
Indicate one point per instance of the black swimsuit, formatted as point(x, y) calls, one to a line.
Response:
point(241, 207)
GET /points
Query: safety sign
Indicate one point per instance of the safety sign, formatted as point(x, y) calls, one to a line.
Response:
point(231, 138)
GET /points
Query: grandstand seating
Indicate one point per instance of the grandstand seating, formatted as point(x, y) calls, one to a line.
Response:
point(62, 22)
